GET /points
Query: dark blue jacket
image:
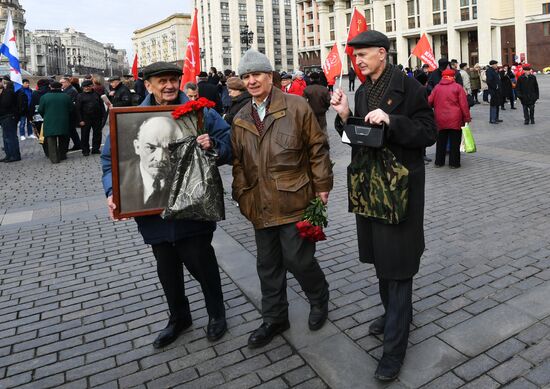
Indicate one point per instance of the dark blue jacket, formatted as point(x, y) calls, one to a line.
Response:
point(154, 229)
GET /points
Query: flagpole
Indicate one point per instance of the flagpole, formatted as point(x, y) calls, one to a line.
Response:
point(345, 47)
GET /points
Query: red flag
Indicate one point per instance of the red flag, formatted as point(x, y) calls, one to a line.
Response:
point(424, 52)
point(357, 25)
point(135, 67)
point(332, 66)
point(192, 62)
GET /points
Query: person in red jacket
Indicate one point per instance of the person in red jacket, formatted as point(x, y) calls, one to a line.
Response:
point(298, 85)
point(451, 113)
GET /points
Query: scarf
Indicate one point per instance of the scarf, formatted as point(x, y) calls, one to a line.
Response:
point(257, 121)
point(375, 91)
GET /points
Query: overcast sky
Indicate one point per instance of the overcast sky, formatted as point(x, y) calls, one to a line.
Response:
point(107, 21)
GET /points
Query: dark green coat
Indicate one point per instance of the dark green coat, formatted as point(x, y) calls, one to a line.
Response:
point(56, 107)
point(395, 249)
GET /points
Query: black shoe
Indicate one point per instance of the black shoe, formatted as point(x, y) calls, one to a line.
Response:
point(317, 316)
point(436, 165)
point(493, 122)
point(427, 159)
point(388, 368)
point(216, 329)
point(266, 332)
point(499, 120)
point(453, 167)
point(526, 122)
point(85, 154)
point(4, 159)
point(513, 108)
point(502, 108)
point(75, 148)
point(377, 326)
point(532, 122)
point(171, 333)
point(12, 160)
point(96, 152)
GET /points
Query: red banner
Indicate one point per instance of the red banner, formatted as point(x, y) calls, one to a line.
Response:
point(192, 61)
point(333, 65)
point(424, 52)
point(135, 67)
point(357, 25)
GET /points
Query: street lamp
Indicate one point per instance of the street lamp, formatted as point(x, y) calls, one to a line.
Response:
point(79, 64)
point(56, 51)
point(202, 54)
point(247, 37)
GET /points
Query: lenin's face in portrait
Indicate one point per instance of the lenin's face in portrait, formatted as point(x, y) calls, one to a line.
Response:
point(152, 142)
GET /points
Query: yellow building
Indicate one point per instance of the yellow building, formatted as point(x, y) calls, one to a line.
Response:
point(470, 31)
point(165, 40)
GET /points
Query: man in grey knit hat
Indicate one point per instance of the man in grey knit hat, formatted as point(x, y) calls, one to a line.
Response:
point(280, 163)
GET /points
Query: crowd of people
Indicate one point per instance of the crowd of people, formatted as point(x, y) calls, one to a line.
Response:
point(54, 110)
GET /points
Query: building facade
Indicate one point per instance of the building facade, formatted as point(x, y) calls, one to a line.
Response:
point(18, 17)
point(165, 40)
point(47, 53)
point(471, 31)
point(227, 28)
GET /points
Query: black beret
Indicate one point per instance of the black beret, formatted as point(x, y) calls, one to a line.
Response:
point(492, 62)
point(158, 68)
point(55, 85)
point(86, 83)
point(370, 38)
point(114, 78)
point(286, 76)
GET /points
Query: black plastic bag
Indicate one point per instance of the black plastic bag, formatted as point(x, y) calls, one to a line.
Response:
point(196, 189)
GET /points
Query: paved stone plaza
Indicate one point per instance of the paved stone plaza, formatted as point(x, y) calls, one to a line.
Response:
point(80, 303)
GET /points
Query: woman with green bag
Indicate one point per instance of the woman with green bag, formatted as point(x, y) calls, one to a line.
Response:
point(451, 113)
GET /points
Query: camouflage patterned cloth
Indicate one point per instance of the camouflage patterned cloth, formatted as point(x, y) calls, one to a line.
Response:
point(378, 186)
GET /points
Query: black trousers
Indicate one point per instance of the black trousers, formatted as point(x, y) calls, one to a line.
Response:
point(443, 137)
point(95, 126)
point(57, 147)
point(351, 85)
point(199, 258)
point(280, 249)
point(529, 112)
point(396, 296)
point(74, 137)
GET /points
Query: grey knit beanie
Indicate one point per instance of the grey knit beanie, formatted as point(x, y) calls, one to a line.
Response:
point(254, 61)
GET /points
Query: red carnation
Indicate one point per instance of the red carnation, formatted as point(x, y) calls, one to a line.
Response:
point(192, 105)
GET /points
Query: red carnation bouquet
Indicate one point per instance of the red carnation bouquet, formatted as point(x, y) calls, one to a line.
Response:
point(315, 218)
point(191, 113)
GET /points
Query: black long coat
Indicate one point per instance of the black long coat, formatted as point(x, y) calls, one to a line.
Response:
point(395, 250)
point(527, 89)
point(494, 84)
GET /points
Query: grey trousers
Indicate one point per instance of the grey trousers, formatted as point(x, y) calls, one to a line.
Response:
point(280, 249)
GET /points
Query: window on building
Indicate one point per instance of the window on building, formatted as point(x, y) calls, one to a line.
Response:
point(259, 8)
point(276, 21)
point(546, 8)
point(227, 61)
point(367, 2)
point(260, 30)
point(468, 10)
point(287, 2)
point(260, 19)
point(348, 3)
point(277, 31)
point(225, 16)
point(242, 7)
point(331, 27)
point(368, 17)
point(439, 8)
point(261, 39)
point(348, 19)
point(413, 13)
point(224, 5)
point(389, 11)
point(546, 28)
point(310, 28)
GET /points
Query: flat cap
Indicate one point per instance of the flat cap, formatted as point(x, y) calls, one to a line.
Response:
point(370, 38)
point(286, 76)
point(160, 68)
point(235, 83)
point(114, 78)
point(86, 83)
point(493, 62)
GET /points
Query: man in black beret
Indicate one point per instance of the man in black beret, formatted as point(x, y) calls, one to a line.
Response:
point(209, 91)
point(389, 98)
point(89, 110)
point(494, 85)
point(176, 243)
point(119, 94)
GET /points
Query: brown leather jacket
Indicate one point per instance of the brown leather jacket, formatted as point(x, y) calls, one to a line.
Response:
point(277, 174)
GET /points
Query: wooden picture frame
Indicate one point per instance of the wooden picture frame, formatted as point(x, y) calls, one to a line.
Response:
point(135, 176)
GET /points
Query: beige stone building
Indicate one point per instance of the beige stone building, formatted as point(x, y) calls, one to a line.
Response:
point(165, 40)
point(224, 24)
point(468, 30)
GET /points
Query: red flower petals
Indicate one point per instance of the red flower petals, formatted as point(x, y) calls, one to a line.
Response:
point(192, 105)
